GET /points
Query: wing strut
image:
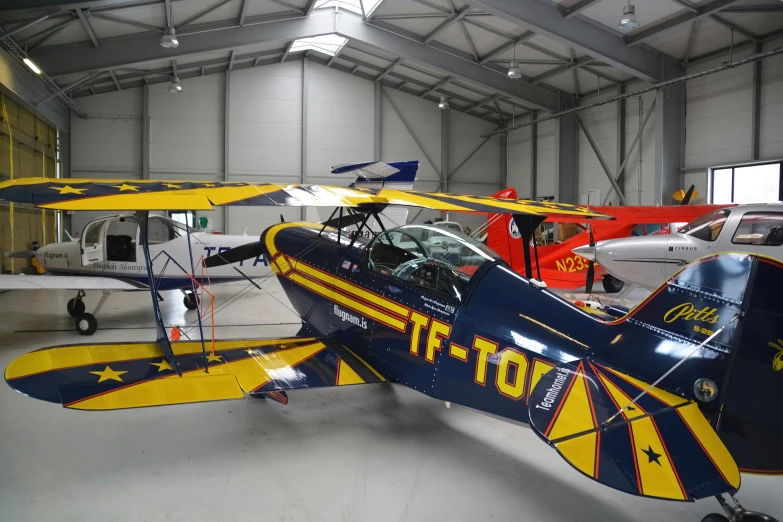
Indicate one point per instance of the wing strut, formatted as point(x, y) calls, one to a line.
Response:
point(162, 340)
point(198, 310)
point(527, 225)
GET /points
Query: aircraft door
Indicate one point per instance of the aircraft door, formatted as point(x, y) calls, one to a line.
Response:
point(93, 242)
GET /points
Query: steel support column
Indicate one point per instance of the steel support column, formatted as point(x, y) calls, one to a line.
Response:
point(534, 158)
point(755, 109)
point(303, 160)
point(376, 147)
point(444, 149)
point(669, 138)
point(146, 127)
point(503, 182)
point(620, 129)
point(226, 148)
point(567, 155)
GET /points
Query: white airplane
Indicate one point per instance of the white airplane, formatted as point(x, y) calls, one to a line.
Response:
point(109, 257)
point(648, 261)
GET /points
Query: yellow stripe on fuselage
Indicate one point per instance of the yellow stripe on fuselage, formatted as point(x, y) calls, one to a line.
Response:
point(355, 290)
point(348, 302)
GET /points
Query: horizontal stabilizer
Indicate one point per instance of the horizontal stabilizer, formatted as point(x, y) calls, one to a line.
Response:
point(117, 376)
point(661, 446)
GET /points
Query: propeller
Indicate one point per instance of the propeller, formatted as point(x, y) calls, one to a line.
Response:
point(688, 195)
point(235, 255)
point(590, 264)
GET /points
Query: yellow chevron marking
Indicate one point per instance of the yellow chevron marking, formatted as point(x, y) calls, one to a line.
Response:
point(348, 302)
point(574, 417)
point(60, 357)
point(346, 375)
point(657, 473)
point(353, 289)
point(698, 424)
point(540, 368)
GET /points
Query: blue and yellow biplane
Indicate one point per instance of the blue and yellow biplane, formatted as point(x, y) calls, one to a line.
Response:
point(673, 399)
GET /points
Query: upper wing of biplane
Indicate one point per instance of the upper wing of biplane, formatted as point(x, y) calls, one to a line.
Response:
point(89, 194)
point(134, 375)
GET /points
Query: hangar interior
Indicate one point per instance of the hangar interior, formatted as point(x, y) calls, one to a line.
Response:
point(550, 97)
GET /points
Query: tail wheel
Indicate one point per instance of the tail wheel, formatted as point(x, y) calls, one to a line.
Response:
point(190, 301)
point(612, 285)
point(75, 307)
point(86, 324)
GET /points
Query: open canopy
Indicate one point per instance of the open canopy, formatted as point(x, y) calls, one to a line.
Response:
point(94, 194)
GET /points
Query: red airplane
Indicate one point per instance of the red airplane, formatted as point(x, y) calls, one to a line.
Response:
point(560, 267)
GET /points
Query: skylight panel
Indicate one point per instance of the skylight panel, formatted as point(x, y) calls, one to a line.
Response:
point(327, 44)
point(351, 5)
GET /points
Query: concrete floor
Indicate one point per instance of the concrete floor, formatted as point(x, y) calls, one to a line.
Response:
point(375, 452)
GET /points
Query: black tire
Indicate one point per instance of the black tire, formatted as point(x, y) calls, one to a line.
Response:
point(715, 517)
point(86, 324)
point(75, 307)
point(612, 285)
point(190, 301)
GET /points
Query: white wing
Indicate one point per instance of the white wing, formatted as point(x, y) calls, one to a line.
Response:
point(49, 282)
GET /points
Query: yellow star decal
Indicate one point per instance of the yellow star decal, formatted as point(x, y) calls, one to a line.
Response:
point(125, 187)
point(162, 365)
point(109, 375)
point(67, 189)
point(214, 358)
point(171, 185)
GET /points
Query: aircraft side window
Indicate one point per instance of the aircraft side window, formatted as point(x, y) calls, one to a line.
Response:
point(707, 228)
point(92, 234)
point(759, 228)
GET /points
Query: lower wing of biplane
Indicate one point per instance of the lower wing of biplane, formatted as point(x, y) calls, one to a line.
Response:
point(659, 446)
point(135, 375)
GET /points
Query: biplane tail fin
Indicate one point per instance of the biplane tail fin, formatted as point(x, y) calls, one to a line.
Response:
point(730, 304)
point(502, 234)
point(661, 447)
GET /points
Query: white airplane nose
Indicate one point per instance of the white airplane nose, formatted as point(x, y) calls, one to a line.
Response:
point(586, 251)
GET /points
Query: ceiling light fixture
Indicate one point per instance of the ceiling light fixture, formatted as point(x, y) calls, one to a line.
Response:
point(513, 71)
point(29, 63)
point(443, 104)
point(629, 20)
point(175, 86)
point(169, 39)
point(513, 68)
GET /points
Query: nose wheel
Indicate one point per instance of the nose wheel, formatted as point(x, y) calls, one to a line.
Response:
point(736, 513)
point(190, 300)
point(85, 323)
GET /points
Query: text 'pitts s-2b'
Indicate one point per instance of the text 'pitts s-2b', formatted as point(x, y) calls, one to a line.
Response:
point(658, 402)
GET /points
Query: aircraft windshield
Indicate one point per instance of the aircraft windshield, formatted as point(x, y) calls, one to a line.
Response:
point(433, 258)
point(708, 227)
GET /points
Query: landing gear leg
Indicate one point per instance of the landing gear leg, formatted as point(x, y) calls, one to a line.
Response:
point(75, 306)
point(736, 513)
point(87, 324)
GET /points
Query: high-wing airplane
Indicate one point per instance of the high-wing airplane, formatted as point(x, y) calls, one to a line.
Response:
point(665, 402)
point(108, 255)
point(560, 267)
point(648, 261)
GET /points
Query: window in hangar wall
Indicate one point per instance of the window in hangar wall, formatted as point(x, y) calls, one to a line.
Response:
point(760, 183)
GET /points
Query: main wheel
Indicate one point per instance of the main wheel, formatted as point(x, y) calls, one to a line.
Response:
point(612, 285)
point(75, 307)
point(190, 301)
point(715, 517)
point(86, 324)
